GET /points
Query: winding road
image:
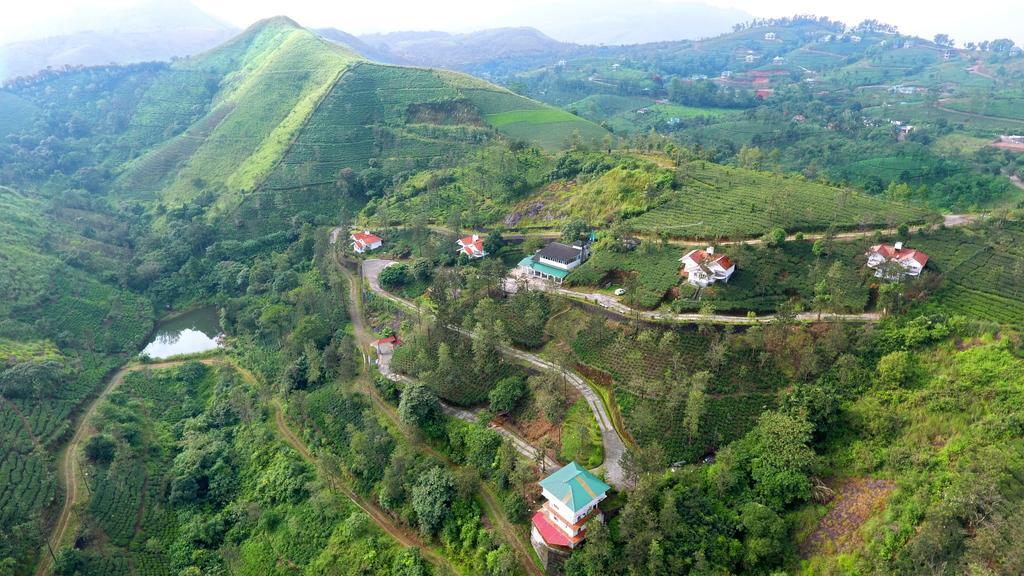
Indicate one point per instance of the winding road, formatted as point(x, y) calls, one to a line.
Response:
point(489, 502)
point(73, 494)
point(66, 466)
point(614, 447)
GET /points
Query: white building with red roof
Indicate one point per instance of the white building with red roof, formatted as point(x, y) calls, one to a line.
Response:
point(472, 246)
point(910, 262)
point(364, 241)
point(704, 267)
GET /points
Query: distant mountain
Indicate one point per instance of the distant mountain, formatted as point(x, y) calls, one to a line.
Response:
point(611, 22)
point(154, 30)
point(374, 53)
point(463, 51)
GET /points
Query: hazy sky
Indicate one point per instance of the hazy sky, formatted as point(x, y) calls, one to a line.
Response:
point(979, 19)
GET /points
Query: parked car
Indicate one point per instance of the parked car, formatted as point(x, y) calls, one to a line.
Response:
point(620, 291)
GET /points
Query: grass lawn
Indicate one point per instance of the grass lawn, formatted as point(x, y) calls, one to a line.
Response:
point(581, 438)
point(541, 116)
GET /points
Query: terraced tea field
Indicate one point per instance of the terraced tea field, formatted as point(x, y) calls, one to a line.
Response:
point(723, 202)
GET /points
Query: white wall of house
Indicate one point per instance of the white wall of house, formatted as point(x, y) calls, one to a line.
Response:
point(560, 265)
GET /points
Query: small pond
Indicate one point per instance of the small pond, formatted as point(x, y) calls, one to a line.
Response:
point(194, 331)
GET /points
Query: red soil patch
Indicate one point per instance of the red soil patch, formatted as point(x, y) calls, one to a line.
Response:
point(597, 375)
point(857, 499)
point(1008, 146)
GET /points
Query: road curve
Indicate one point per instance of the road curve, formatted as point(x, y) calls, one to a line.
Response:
point(66, 464)
point(614, 447)
point(72, 493)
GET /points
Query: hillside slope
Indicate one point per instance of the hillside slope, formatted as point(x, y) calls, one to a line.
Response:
point(283, 109)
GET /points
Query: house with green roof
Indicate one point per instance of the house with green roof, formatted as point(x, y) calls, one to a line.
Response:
point(571, 495)
point(555, 261)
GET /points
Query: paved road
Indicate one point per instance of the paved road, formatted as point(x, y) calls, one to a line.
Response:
point(614, 447)
point(613, 305)
point(488, 500)
point(518, 442)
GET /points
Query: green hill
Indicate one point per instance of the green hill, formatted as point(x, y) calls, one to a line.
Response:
point(269, 122)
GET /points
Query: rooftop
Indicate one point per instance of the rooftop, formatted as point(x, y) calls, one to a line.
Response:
point(574, 486)
point(559, 252)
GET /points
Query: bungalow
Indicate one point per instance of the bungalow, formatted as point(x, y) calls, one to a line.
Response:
point(749, 58)
point(555, 261)
point(769, 35)
point(571, 497)
point(704, 267)
point(472, 246)
point(364, 241)
point(909, 262)
point(778, 60)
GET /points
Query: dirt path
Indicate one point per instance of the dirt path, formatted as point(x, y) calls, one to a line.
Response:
point(489, 501)
point(379, 517)
point(949, 220)
point(67, 463)
point(1017, 182)
point(939, 106)
point(24, 422)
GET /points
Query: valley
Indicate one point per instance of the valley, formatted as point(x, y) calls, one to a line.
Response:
point(749, 304)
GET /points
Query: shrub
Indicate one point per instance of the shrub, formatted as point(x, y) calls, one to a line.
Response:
point(394, 276)
point(100, 449)
point(507, 393)
point(418, 406)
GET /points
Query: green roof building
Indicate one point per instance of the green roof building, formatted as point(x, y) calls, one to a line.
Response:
point(572, 495)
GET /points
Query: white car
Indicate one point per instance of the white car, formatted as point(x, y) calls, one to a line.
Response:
point(620, 291)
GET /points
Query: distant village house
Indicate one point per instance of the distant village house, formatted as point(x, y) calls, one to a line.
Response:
point(893, 262)
point(704, 267)
point(769, 35)
point(364, 241)
point(472, 246)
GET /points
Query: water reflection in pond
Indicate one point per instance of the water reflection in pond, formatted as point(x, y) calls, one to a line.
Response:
point(192, 332)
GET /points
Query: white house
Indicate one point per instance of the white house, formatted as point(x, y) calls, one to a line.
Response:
point(555, 261)
point(749, 58)
point(472, 246)
point(704, 267)
point(769, 35)
point(364, 241)
point(571, 499)
point(910, 262)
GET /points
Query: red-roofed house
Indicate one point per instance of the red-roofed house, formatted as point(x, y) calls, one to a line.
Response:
point(364, 241)
point(472, 246)
point(703, 267)
point(911, 262)
point(387, 344)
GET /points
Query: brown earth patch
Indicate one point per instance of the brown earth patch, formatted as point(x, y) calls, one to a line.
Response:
point(447, 113)
point(857, 499)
